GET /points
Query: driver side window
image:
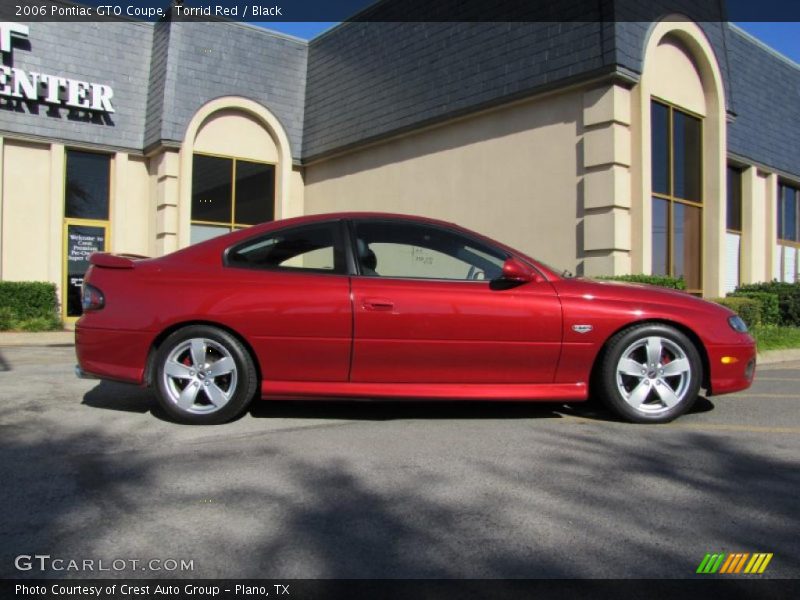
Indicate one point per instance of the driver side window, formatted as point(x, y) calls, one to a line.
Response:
point(391, 249)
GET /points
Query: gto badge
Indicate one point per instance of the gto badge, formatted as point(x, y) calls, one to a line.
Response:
point(582, 328)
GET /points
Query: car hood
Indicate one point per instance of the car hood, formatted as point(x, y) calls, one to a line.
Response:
point(635, 293)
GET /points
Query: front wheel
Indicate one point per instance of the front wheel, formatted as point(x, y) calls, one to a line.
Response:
point(650, 374)
point(204, 375)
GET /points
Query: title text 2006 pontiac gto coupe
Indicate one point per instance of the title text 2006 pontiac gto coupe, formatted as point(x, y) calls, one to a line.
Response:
point(361, 305)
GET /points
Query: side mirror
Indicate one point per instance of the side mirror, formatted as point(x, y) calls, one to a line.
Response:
point(515, 270)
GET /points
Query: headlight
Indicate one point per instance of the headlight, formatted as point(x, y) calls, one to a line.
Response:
point(737, 324)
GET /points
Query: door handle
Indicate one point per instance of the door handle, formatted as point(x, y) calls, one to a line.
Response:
point(377, 304)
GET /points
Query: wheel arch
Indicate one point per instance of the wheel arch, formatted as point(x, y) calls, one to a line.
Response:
point(159, 339)
point(687, 331)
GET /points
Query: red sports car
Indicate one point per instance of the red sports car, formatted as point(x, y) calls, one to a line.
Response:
point(364, 305)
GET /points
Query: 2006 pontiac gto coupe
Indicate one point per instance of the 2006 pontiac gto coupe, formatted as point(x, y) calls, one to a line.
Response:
point(364, 305)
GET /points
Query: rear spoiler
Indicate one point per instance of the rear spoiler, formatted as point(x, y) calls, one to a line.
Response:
point(114, 261)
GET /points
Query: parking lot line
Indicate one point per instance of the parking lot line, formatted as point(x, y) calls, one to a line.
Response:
point(742, 428)
point(750, 394)
point(578, 420)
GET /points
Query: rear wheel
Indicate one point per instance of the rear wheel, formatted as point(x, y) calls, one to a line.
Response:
point(650, 373)
point(204, 375)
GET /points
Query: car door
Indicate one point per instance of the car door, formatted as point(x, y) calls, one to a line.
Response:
point(428, 309)
point(290, 293)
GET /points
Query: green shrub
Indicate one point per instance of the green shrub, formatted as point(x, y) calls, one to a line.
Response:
point(39, 324)
point(770, 307)
point(788, 299)
point(659, 280)
point(773, 337)
point(7, 318)
point(29, 299)
point(748, 309)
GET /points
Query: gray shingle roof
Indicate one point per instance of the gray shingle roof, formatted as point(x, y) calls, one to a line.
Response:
point(766, 88)
point(363, 81)
point(366, 80)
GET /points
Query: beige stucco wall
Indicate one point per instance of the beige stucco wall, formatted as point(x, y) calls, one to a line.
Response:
point(756, 225)
point(512, 173)
point(606, 189)
point(675, 76)
point(164, 170)
point(31, 238)
point(130, 205)
point(295, 207)
point(235, 133)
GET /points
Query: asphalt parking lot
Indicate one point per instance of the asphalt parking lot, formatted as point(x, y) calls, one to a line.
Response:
point(93, 471)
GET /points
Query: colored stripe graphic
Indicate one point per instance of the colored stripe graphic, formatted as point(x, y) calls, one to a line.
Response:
point(759, 562)
point(734, 563)
point(711, 563)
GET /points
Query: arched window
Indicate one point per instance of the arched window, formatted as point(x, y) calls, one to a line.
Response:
point(233, 174)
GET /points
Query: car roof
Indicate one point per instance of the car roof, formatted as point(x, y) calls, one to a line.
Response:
point(210, 250)
point(354, 215)
point(213, 246)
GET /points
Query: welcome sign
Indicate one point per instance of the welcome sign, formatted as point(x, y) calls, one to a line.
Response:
point(51, 89)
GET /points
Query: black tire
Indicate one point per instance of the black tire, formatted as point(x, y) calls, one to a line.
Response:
point(660, 393)
point(218, 391)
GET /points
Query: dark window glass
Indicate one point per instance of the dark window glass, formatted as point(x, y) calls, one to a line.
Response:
point(255, 192)
point(734, 217)
point(789, 225)
point(308, 248)
point(212, 180)
point(660, 229)
point(677, 174)
point(659, 152)
point(392, 249)
point(87, 187)
point(686, 244)
point(687, 157)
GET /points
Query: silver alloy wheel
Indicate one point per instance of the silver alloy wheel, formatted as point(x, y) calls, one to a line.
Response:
point(200, 376)
point(653, 374)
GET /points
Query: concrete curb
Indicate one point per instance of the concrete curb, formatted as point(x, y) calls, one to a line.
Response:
point(43, 338)
point(67, 338)
point(778, 356)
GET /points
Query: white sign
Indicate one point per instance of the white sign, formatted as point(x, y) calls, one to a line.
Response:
point(52, 89)
point(9, 29)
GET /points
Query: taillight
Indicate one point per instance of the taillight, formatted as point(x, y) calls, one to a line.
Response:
point(91, 298)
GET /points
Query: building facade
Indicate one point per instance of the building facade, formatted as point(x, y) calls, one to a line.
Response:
point(666, 143)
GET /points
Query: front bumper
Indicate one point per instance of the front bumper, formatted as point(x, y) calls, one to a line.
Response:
point(732, 367)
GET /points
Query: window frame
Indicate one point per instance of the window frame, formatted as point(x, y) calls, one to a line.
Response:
point(478, 242)
point(233, 225)
point(67, 222)
point(341, 261)
point(781, 219)
point(739, 174)
point(670, 196)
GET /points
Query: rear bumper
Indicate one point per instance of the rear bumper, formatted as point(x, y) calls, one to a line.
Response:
point(732, 367)
point(81, 374)
point(111, 354)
